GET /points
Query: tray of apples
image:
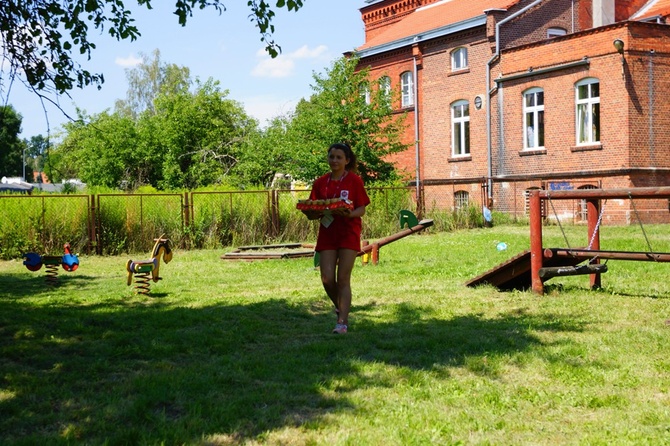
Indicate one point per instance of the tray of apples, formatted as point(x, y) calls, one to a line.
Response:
point(324, 205)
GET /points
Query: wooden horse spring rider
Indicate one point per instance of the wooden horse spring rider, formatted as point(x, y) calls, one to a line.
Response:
point(141, 269)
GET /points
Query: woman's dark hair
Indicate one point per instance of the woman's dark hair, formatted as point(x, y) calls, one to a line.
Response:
point(352, 165)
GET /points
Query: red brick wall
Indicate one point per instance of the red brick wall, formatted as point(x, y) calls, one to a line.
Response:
point(378, 16)
point(634, 147)
point(533, 24)
point(440, 88)
point(631, 135)
point(393, 65)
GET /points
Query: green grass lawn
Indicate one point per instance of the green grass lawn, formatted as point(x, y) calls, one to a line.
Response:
point(232, 352)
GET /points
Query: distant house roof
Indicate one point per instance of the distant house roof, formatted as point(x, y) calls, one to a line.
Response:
point(16, 187)
point(434, 20)
point(15, 184)
point(653, 9)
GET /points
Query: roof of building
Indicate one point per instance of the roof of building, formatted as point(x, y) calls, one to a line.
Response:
point(436, 16)
point(15, 187)
point(652, 9)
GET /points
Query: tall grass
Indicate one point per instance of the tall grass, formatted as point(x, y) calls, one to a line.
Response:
point(128, 223)
point(44, 224)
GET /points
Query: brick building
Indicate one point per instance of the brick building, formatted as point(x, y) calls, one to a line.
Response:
point(504, 96)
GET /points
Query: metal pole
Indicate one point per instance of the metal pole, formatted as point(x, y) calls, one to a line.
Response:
point(535, 242)
point(592, 213)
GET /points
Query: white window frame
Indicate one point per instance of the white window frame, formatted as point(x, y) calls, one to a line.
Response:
point(555, 32)
point(460, 128)
point(364, 91)
point(385, 85)
point(459, 59)
point(407, 89)
point(587, 112)
point(533, 135)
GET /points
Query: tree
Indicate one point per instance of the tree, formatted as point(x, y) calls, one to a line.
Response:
point(191, 139)
point(40, 37)
point(339, 111)
point(264, 154)
point(101, 152)
point(11, 146)
point(199, 135)
point(149, 79)
point(37, 149)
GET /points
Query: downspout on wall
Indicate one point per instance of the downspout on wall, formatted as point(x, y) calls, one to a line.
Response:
point(489, 91)
point(415, 92)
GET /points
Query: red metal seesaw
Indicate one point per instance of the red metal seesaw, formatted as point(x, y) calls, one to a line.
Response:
point(371, 250)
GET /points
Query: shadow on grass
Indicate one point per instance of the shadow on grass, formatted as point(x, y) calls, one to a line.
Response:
point(149, 373)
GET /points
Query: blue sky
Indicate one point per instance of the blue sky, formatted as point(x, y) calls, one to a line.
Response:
point(225, 47)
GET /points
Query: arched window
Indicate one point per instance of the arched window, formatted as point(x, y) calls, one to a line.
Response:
point(459, 59)
point(582, 212)
point(460, 128)
point(407, 89)
point(526, 202)
point(587, 103)
point(555, 32)
point(461, 200)
point(533, 119)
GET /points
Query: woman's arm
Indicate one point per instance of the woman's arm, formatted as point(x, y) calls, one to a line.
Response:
point(350, 213)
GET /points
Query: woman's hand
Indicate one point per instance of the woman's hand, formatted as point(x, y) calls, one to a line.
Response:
point(343, 211)
point(312, 214)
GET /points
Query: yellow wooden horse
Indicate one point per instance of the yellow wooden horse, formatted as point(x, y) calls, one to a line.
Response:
point(143, 268)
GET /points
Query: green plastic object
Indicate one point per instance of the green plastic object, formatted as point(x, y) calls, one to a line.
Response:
point(407, 217)
point(316, 259)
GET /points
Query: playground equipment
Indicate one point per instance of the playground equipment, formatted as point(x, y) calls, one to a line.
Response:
point(369, 251)
point(146, 270)
point(277, 251)
point(534, 267)
point(68, 261)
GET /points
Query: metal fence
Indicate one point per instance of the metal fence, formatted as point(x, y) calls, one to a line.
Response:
point(127, 223)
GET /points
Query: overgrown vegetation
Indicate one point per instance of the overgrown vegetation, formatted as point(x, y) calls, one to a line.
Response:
point(225, 352)
point(128, 223)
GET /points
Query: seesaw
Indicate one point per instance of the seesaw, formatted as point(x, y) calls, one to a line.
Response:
point(296, 250)
point(370, 251)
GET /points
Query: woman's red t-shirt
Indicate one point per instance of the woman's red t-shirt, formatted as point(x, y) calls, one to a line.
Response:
point(343, 232)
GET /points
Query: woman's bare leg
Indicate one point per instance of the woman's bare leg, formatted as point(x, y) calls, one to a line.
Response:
point(327, 264)
point(345, 264)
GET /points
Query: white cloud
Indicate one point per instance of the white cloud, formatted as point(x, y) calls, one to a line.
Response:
point(128, 62)
point(284, 65)
point(305, 53)
point(264, 108)
point(278, 67)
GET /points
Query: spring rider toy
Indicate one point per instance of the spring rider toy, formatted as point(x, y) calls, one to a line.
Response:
point(68, 261)
point(142, 269)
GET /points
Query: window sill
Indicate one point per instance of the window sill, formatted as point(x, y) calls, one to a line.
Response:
point(405, 108)
point(532, 152)
point(586, 148)
point(459, 71)
point(460, 159)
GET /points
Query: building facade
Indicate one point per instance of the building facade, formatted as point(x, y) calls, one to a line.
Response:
point(503, 96)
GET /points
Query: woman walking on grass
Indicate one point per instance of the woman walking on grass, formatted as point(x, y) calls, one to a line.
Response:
point(339, 238)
